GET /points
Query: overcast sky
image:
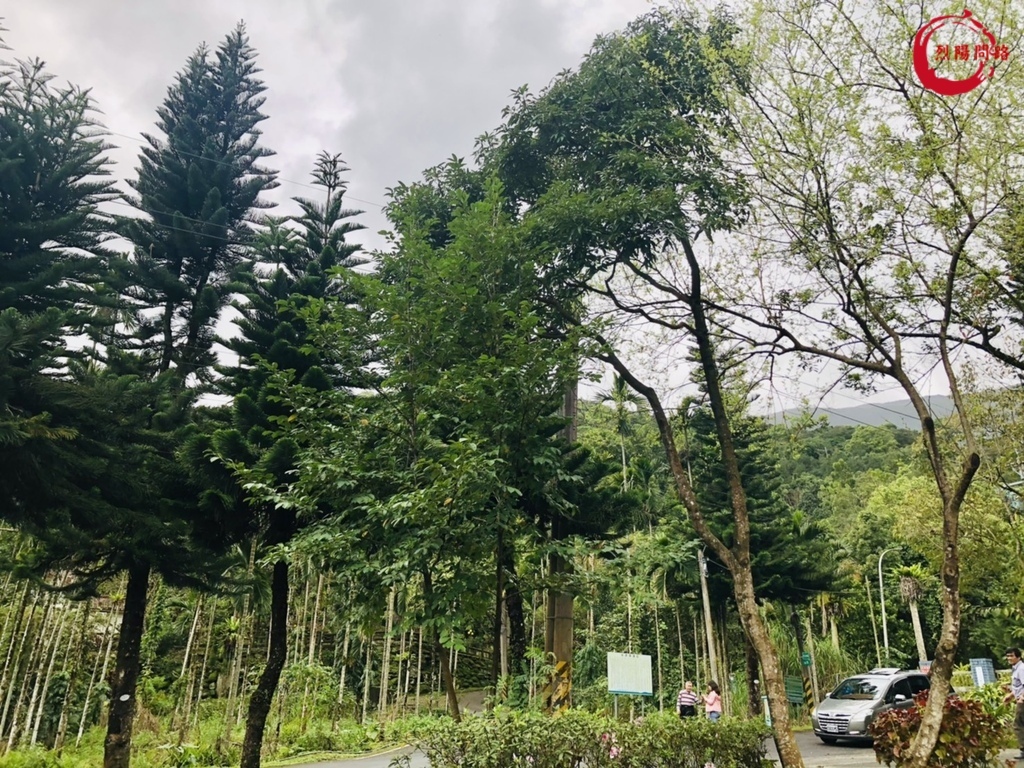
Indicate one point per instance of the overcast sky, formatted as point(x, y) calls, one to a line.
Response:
point(394, 85)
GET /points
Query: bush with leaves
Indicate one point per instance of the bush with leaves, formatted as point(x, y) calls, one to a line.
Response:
point(506, 738)
point(970, 737)
point(992, 698)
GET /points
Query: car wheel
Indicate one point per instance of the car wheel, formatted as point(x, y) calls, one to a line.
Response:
point(830, 740)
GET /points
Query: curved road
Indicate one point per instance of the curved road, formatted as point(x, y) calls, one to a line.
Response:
point(816, 755)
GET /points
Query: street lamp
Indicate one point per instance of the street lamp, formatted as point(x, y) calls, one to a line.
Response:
point(881, 592)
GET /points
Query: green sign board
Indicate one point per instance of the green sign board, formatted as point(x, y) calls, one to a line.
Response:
point(805, 659)
point(795, 690)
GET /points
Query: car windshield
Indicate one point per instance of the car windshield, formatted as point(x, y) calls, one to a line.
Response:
point(860, 688)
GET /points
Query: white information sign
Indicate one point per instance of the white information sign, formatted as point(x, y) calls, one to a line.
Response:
point(630, 674)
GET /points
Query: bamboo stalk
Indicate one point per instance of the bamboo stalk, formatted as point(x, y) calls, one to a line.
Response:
point(385, 664)
point(11, 661)
point(34, 652)
point(316, 616)
point(679, 632)
point(419, 668)
point(398, 676)
point(236, 666)
point(366, 675)
point(62, 724)
point(184, 693)
point(11, 641)
point(108, 637)
point(202, 673)
point(657, 647)
point(35, 716)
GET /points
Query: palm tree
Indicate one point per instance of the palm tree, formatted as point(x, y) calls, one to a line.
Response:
point(621, 396)
point(913, 579)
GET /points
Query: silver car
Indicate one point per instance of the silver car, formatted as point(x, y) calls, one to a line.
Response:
point(847, 712)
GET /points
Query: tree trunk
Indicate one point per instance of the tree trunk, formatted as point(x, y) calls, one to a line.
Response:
point(558, 640)
point(117, 747)
point(737, 559)
point(263, 697)
point(753, 679)
point(499, 601)
point(446, 670)
point(772, 677)
point(517, 643)
point(448, 679)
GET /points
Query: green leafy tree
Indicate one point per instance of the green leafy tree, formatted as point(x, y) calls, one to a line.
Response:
point(886, 199)
point(618, 167)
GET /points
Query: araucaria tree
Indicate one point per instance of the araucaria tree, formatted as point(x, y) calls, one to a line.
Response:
point(197, 190)
point(51, 181)
point(294, 268)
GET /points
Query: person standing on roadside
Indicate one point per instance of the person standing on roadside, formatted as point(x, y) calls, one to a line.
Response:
point(1017, 694)
point(686, 704)
point(713, 702)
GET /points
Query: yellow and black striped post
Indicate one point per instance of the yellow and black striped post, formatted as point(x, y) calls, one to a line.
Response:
point(808, 693)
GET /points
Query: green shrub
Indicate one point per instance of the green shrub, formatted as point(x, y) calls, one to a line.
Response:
point(970, 736)
point(992, 698)
point(508, 739)
point(30, 758)
point(316, 740)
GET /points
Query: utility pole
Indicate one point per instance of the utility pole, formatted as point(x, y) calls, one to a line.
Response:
point(805, 660)
point(881, 599)
point(709, 631)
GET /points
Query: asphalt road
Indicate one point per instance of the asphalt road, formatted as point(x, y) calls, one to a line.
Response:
point(844, 755)
point(816, 755)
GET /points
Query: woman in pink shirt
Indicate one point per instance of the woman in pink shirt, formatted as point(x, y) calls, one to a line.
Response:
point(713, 702)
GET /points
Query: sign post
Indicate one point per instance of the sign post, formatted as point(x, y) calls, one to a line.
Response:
point(629, 674)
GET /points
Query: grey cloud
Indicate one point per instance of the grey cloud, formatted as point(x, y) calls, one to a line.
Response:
point(394, 85)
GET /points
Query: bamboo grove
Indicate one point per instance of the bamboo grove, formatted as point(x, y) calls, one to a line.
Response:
point(265, 493)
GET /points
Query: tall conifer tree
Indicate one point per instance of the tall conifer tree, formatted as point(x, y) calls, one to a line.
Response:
point(199, 189)
point(273, 329)
point(52, 178)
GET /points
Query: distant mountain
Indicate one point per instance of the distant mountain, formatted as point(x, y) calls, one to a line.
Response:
point(897, 412)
